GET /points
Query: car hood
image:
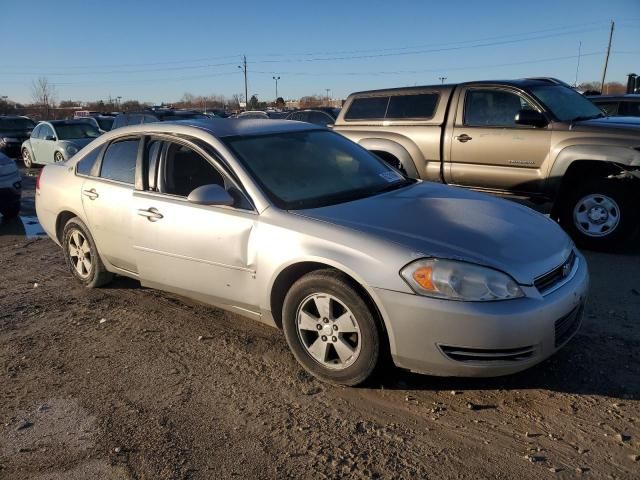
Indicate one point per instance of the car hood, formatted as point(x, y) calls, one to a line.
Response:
point(630, 124)
point(447, 222)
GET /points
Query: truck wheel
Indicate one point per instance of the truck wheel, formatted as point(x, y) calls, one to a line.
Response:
point(330, 329)
point(599, 214)
point(82, 256)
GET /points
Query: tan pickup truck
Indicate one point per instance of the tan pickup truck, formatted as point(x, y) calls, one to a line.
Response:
point(533, 138)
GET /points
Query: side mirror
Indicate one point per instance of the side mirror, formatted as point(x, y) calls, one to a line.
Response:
point(531, 118)
point(50, 138)
point(211, 195)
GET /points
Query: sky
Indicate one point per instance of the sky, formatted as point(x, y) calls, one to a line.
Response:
point(156, 50)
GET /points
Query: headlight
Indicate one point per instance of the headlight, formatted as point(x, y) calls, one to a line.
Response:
point(71, 150)
point(454, 280)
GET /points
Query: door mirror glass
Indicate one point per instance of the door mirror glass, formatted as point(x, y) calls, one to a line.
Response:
point(531, 118)
point(50, 138)
point(210, 195)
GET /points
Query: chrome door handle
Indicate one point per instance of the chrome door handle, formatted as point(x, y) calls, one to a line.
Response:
point(92, 194)
point(152, 214)
point(463, 138)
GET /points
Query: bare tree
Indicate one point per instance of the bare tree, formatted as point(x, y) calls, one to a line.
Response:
point(44, 94)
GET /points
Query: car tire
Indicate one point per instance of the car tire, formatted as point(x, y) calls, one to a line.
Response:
point(26, 158)
point(343, 346)
point(81, 255)
point(58, 157)
point(10, 211)
point(599, 214)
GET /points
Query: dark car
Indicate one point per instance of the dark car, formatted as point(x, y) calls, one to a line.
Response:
point(318, 117)
point(619, 105)
point(150, 116)
point(13, 131)
point(104, 123)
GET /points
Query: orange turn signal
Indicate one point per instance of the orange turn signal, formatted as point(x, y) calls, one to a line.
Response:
point(423, 277)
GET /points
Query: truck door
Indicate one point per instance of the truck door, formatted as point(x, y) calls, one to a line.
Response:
point(489, 150)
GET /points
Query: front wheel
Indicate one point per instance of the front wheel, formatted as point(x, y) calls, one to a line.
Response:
point(600, 214)
point(58, 157)
point(330, 329)
point(82, 256)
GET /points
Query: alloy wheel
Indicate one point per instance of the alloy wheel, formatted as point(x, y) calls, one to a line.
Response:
point(26, 158)
point(328, 331)
point(80, 254)
point(57, 157)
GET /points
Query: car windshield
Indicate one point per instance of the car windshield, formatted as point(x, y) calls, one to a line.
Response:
point(565, 103)
point(16, 124)
point(69, 131)
point(105, 123)
point(313, 168)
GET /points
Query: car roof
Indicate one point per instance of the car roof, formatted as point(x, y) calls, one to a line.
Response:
point(226, 127)
point(519, 83)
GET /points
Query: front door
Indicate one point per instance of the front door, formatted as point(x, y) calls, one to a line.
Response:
point(107, 200)
point(489, 150)
point(205, 252)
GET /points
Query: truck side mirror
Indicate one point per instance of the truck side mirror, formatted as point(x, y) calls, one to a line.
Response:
point(531, 118)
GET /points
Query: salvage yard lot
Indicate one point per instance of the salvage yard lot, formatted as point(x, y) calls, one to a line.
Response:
point(126, 382)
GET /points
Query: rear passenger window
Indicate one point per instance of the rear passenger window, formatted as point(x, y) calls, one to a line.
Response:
point(84, 166)
point(119, 161)
point(412, 106)
point(367, 108)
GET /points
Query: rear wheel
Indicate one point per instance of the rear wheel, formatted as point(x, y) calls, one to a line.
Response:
point(26, 158)
point(58, 157)
point(82, 256)
point(330, 329)
point(600, 213)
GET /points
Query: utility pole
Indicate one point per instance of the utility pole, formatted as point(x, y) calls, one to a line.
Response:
point(575, 84)
point(442, 79)
point(327, 90)
point(276, 79)
point(246, 90)
point(606, 59)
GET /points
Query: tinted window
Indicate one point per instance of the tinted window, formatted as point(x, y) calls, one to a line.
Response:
point(631, 108)
point(320, 118)
point(16, 124)
point(186, 170)
point(80, 129)
point(367, 107)
point(610, 108)
point(105, 123)
point(298, 116)
point(84, 166)
point(495, 108)
point(412, 106)
point(119, 162)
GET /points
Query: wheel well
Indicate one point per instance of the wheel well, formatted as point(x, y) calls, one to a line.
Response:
point(579, 171)
point(61, 221)
point(389, 158)
point(293, 273)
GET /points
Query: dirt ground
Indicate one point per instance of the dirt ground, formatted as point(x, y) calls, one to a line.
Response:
point(131, 383)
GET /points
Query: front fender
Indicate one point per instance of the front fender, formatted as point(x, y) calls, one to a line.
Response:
point(619, 156)
point(395, 149)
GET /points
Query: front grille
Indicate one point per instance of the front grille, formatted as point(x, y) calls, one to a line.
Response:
point(559, 274)
point(568, 325)
point(482, 355)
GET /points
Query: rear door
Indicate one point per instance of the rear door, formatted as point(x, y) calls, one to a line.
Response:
point(489, 150)
point(197, 250)
point(107, 202)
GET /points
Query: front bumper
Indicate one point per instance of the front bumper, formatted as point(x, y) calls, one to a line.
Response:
point(481, 339)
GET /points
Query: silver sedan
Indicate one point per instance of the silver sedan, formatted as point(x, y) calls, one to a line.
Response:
point(296, 226)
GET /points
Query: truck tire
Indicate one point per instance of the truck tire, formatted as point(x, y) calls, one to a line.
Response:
point(600, 213)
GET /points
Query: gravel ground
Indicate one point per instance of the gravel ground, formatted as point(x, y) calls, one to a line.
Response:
point(125, 382)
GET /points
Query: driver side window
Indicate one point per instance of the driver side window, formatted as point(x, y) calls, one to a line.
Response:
point(493, 108)
point(45, 131)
